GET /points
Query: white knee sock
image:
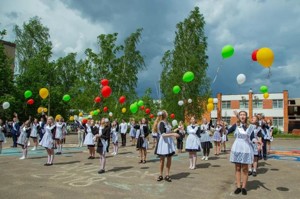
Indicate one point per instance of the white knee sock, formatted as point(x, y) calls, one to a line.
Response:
point(51, 158)
point(103, 162)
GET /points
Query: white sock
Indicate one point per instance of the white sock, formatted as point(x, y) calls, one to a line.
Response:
point(194, 161)
point(48, 159)
point(254, 170)
point(51, 159)
point(103, 162)
point(191, 161)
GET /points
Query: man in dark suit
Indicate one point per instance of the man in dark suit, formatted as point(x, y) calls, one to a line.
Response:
point(15, 130)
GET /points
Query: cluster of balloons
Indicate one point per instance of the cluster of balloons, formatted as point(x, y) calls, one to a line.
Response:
point(241, 78)
point(28, 94)
point(264, 89)
point(106, 90)
point(210, 105)
point(264, 56)
point(187, 77)
point(42, 109)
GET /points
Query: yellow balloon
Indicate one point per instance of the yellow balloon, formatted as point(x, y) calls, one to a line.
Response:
point(266, 95)
point(57, 117)
point(98, 110)
point(210, 100)
point(92, 113)
point(123, 110)
point(265, 57)
point(71, 118)
point(40, 109)
point(210, 107)
point(44, 93)
point(80, 114)
point(45, 110)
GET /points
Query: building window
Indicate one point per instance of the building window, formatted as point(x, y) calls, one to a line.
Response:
point(243, 104)
point(227, 120)
point(258, 104)
point(278, 121)
point(277, 104)
point(214, 121)
point(226, 105)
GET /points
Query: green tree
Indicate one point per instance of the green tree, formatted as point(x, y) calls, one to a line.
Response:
point(189, 54)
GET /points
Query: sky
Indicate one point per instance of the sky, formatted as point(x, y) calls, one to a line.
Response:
point(246, 25)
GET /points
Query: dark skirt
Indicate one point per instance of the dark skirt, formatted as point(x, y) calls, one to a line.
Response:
point(140, 142)
point(206, 145)
point(91, 145)
point(193, 150)
point(179, 144)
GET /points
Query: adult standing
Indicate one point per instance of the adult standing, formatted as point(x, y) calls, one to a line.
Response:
point(15, 130)
point(123, 127)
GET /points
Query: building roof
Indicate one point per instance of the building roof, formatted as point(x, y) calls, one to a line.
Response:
point(8, 43)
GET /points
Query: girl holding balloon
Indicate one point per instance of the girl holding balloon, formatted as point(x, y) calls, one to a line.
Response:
point(47, 141)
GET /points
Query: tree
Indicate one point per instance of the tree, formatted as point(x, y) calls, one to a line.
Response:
point(189, 54)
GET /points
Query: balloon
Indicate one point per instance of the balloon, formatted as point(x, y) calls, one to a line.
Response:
point(71, 118)
point(147, 111)
point(215, 101)
point(227, 51)
point(105, 109)
point(110, 114)
point(151, 116)
point(133, 108)
point(172, 116)
point(28, 94)
point(95, 112)
point(104, 82)
point(140, 103)
point(106, 91)
point(45, 110)
point(265, 57)
point(123, 110)
point(30, 101)
point(44, 93)
point(180, 102)
point(97, 99)
point(142, 107)
point(122, 99)
point(176, 89)
point(266, 95)
point(84, 121)
point(210, 100)
point(91, 112)
point(6, 105)
point(254, 55)
point(188, 76)
point(241, 78)
point(57, 117)
point(40, 109)
point(210, 107)
point(263, 89)
point(66, 98)
point(80, 114)
point(190, 100)
point(174, 123)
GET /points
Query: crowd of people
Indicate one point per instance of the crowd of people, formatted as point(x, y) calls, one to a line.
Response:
point(252, 140)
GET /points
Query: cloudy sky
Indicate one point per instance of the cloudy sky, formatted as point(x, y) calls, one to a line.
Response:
point(246, 24)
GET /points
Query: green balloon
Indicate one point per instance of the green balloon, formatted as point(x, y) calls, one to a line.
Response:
point(28, 94)
point(95, 112)
point(176, 89)
point(263, 89)
point(140, 103)
point(134, 108)
point(66, 98)
point(188, 76)
point(227, 51)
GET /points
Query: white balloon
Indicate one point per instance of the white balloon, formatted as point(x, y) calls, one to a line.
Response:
point(241, 78)
point(5, 105)
point(216, 100)
point(180, 103)
point(110, 114)
point(174, 123)
point(190, 100)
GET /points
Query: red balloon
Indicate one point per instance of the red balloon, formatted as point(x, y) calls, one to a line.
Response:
point(106, 91)
point(254, 53)
point(104, 82)
point(151, 116)
point(84, 121)
point(122, 99)
point(142, 107)
point(97, 99)
point(105, 109)
point(172, 116)
point(147, 110)
point(30, 101)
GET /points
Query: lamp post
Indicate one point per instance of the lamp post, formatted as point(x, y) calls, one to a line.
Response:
point(250, 105)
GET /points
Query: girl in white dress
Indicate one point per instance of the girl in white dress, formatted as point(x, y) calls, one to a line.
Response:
point(241, 151)
point(24, 138)
point(192, 142)
point(269, 137)
point(217, 136)
point(2, 136)
point(205, 138)
point(34, 133)
point(165, 146)
point(47, 141)
point(91, 130)
point(60, 126)
point(224, 137)
point(114, 136)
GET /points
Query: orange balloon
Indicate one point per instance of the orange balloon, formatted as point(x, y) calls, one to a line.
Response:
point(265, 57)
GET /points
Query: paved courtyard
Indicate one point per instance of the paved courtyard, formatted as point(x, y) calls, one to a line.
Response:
point(75, 176)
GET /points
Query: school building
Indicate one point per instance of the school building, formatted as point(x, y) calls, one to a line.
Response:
point(283, 111)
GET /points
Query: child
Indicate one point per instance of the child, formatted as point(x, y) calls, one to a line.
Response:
point(142, 141)
point(224, 137)
point(132, 132)
point(91, 131)
point(114, 135)
point(217, 137)
point(2, 136)
point(181, 132)
point(23, 138)
point(47, 141)
point(59, 135)
point(192, 142)
point(34, 133)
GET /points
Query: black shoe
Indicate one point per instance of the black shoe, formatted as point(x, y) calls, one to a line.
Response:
point(254, 174)
point(160, 178)
point(90, 157)
point(144, 162)
point(244, 191)
point(101, 171)
point(140, 162)
point(249, 173)
point(237, 191)
point(265, 158)
point(48, 164)
point(168, 179)
point(58, 153)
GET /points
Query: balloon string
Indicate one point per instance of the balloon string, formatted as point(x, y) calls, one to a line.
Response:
point(218, 69)
point(270, 73)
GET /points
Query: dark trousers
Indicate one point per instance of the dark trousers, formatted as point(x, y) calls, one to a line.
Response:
point(123, 137)
point(264, 149)
point(179, 144)
point(15, 138)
